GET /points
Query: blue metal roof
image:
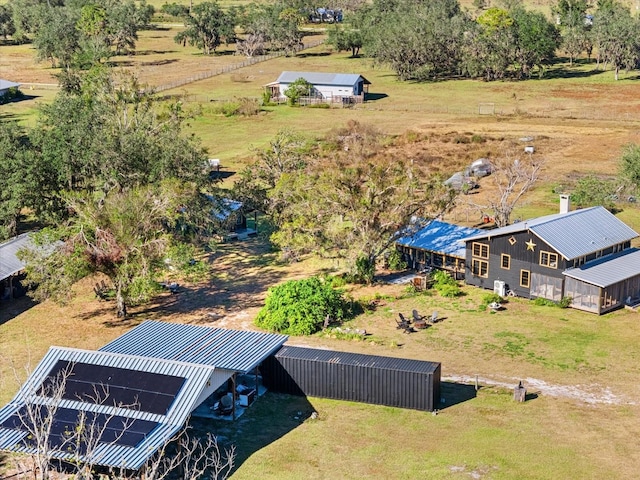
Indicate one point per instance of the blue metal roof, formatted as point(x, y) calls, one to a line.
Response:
point(111, 454)
point(236, 350)
point(440, 237)
point(608, 270)
point(573, 234)
point(320, 78)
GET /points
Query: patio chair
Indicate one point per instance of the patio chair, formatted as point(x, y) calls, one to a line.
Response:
point(403, 322)
point(416, 316)
point(434, 317)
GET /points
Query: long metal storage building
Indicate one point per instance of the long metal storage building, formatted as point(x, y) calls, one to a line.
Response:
point(395, 382)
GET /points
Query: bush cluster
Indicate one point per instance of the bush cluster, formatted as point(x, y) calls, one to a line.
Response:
point(445, 284)
point(240, 106)
point(299, 307)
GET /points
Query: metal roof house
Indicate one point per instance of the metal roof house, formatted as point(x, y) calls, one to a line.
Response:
point(438, 245)
point(6, 85)
point(331, 87)
point(139, 389)
point(575, 254)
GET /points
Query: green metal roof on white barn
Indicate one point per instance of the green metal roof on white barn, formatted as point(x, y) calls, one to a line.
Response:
point(236, 350)
point(573, 234)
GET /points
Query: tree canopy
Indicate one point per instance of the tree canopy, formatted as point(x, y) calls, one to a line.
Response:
point(206, 27)
point(117, 179)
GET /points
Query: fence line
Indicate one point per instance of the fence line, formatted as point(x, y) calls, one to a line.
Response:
point(229, 68)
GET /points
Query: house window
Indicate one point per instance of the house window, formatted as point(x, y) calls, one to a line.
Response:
point(505, 261)
point(480, 250)
point(480, 268)
point(512, 240)
point(548, 259)
point(524, 278)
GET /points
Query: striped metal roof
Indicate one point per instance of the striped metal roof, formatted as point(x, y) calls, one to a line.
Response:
point(196, 378)
point(320, 78)
point(10, 264)
point(440, 237)
point(573, 234)
point(608, 270)
point(237, 350)
point(357, 359)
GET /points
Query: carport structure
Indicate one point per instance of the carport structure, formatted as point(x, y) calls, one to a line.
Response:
point(138, 391)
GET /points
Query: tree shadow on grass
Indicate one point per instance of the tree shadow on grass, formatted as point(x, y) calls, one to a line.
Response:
point(563, 71)
point(10, 309)
point(312, 54)
point(270, 418)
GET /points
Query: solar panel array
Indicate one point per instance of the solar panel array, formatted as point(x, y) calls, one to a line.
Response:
point(65, 434)
point(103, 385)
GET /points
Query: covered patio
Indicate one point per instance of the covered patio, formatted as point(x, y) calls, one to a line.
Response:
point(604, 284)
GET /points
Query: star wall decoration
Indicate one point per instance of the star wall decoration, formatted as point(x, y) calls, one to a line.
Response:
point(530, 245)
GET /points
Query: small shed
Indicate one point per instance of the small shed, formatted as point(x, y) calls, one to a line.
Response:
point(330, 87)
point(437, 245)
point(394, 382)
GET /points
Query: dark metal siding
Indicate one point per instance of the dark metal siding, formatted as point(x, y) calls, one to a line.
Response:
point(521, 259)
point(387, 381)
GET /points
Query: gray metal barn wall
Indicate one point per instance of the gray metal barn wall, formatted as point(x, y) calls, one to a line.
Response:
point(372, 379)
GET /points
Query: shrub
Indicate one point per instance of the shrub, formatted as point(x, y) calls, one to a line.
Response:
point(565, 302)
point(319, 105)
point(11, 94)
point(543, 302)
point(299, 307)
point(396, 262)
point(449, 291)
point(175, 10)
point(478, 139)
point(239, 106)
point(492, 298)
point(445, 284)
point(363, 271)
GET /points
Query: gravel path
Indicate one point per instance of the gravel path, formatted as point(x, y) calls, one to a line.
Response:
point(593, 394)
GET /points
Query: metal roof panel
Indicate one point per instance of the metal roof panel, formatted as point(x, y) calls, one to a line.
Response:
point(321, 78)
point(357, 359)
point(572, 234)
point(608, 270)
point(236, 350)
point(196, 377)
point(440, 237)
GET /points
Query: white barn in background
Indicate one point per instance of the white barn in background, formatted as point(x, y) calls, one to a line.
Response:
point(328, 87)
